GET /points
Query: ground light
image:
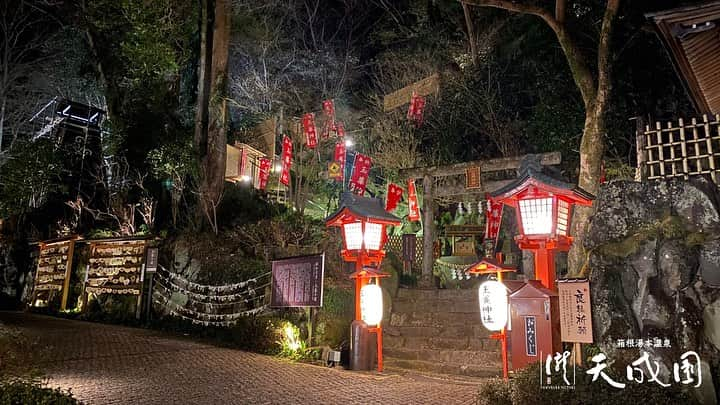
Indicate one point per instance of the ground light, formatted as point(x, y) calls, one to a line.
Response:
point(363, 221)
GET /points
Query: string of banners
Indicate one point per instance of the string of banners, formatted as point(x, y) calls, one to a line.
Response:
point(211, 290)
point(223, 300)
point(362, 163)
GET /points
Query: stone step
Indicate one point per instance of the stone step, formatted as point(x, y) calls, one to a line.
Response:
point(435, 294)
point(469, 330)
point(433, 319)
point(448, 356)
point(441, 343)
point(442, 368)
point(459, 305)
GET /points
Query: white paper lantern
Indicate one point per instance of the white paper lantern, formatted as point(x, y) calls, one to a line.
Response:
point(493, 305)
point(371, 304)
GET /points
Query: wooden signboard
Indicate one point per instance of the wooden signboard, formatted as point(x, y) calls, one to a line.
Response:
point(298, 281)
point(424, 87)
point(409, 247)
point(575, 314)
point(472, 177)
point(115, 267)
point(53, 270)
point(151, 260)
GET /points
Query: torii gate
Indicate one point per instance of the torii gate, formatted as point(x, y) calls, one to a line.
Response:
point(459, 182)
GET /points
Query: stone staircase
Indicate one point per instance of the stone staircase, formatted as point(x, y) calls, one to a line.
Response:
point(440, 331)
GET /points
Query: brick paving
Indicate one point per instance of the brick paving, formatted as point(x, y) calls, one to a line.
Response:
point(108, 364)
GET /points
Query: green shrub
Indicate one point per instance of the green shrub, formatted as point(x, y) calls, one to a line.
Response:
point(494, 392)
point(22, 392)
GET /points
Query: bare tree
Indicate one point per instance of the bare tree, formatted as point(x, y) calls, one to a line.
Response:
point(594, 88)
point(22, 36)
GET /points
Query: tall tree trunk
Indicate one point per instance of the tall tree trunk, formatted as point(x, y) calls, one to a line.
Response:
point(471, 34)
point(203, 92)
point(212, 101)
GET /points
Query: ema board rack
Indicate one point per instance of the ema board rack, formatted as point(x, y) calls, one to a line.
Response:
point(116, 267)
point(53, 271)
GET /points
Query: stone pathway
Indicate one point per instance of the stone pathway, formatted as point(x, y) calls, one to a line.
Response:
point(107, 364)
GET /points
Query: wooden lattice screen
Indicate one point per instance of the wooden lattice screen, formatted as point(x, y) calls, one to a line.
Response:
point(394, 244)
point(679, 149)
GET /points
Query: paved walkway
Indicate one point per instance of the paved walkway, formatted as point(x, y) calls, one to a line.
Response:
point(107, 364)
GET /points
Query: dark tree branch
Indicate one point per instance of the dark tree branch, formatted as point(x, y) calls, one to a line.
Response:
point(578, 65)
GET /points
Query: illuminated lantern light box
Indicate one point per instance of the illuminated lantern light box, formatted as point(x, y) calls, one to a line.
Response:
point(492, 296)
point(543, 206)
point(371, 304)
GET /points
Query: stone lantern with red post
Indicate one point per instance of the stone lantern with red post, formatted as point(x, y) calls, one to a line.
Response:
point(363, 222)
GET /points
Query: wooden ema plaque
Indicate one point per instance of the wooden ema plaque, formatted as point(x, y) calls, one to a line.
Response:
point(115, 267)
point(53, 270)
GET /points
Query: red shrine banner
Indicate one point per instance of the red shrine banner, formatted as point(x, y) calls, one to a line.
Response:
point(264, 174)
point(360, 174)
point(394, 194)
point(286, 160)
point(308, 123)
point(329, 109)
point(340, 160)
point(415, 111)
point(413, 209)
point(340, 129)
point(493, 215)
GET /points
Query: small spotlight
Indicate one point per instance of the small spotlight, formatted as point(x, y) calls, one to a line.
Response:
point(349, 143)
point(278, 168)
point(245, 178)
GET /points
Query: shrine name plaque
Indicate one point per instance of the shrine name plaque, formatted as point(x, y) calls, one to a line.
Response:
point(298, 281)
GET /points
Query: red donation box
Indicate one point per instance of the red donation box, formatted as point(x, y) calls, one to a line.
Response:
point(535, 324)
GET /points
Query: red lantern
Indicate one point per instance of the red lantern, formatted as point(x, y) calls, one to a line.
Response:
point(543, 207)
point(363, 221)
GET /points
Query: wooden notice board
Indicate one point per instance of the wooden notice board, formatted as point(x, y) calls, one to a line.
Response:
point(424, 87)
point(54, 269)
point(575, 314)
point(298, 281)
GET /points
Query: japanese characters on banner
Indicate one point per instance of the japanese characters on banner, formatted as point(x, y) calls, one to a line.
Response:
point(575, 314)
point(329, 109)
point(264, 165)
point(340, 129)
point(286, 160)
point(360, 174)
point(336, 169)
point(394, 194)
point(413, 209)
point(416, 109)
point(493, 214)
point(308, 123)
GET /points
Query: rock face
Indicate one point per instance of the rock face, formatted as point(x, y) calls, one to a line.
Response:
point(654, 268)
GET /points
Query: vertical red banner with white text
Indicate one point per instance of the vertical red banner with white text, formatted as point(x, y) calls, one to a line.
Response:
point(308, 123)
point(413, 209)
point(286, 160)
point(339, 158)
point(264, 172)
point(360, 174)
point(394, 194)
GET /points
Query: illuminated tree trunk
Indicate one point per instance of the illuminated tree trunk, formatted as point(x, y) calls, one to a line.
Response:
point(211, 115)
point(595, 92)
